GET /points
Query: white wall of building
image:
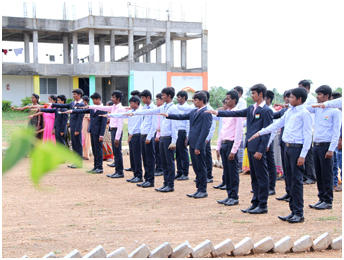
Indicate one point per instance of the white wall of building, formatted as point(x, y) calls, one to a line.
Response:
point(180, 82)
point(144, 80)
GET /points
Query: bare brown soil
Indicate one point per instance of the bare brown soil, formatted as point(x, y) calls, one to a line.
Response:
point(75, 210)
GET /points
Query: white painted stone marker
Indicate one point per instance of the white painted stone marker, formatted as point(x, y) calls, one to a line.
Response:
point(303, 244)
point(140, 252)
point(204, 249)
point(182, 251)
point(162, 251)
point(50, 255)
point(263, 246)
point(243, 247)
point(283, 245)
point(119, 253)
point(74, 254)
point(322, 242)
point(98, 252)
point(337, 243)
point(225, 247)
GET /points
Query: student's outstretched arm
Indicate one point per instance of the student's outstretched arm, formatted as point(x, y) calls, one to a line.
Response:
point(150, 111)
point(336, 103)
point(81, 111)
point(36, 114)
point(102, 108)
point(61, 105)
point(176, 116)
point(226, 113)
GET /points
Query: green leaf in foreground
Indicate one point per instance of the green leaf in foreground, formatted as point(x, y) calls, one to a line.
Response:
point(47, 156)
point(21, 143)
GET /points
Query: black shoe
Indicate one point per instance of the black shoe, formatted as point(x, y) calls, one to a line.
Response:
point(91, 171)
point(284, 197)
point(148, 184)
point(316, 204)
point(309, 182)
point(129, 180)
point(258, 210)
point(296, 219)
point(287, 200)
point(177, 176)
point(136, 180)
point(250, 208)
point(232, 202)
point(272, 192)
point(112, 164)
point(110, 175)
point(183, 178)
point(223, 201)
point(140, 184)
point(159, 173)
point(118, 175)
point(163, 187)
point(194, 180)
point(279, 179)
point(192, 195)
point(286, 218)
point(128, 170)
point(201, 195)
point(219, 186)
point(251, 191)
point(323, 206)
point(209, 180)
point(98, 171)
point(73, 166)
point(167, 189)
point(224, 187)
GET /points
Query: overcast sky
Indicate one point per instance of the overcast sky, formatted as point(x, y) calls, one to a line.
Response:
point(277, 43)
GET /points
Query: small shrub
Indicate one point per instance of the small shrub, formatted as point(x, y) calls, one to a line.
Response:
point(69, 100)
point(26, 101)
point(6, 105)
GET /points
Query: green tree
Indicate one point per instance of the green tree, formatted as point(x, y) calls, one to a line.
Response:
point(217, 94)
point(339, 89)
point(278, 97)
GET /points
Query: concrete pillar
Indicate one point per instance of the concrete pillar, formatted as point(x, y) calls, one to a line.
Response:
point(92, 86)
point(131, 45)
point(91, 46)
point(75, 82)
point(205, 50)
point(65, 49)
point(69, 52)
point(183, 54)
point(101, 48)
point(64, 11)
point(112, 46)
point(168, 45)
point(75, 48)
point(158, 54)
point(27, 47)
point(148, 40)
point(35, 46)
point(136, 47)
point(172, 53)
point(36, 88)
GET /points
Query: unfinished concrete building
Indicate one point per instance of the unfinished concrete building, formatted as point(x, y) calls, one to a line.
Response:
point(142, 36)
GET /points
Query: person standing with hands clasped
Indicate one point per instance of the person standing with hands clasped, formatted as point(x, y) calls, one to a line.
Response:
point(258, 116)
point(297, 136)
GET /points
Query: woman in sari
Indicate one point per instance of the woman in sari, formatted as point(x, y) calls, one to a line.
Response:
point(86, 137)
point(107, 150)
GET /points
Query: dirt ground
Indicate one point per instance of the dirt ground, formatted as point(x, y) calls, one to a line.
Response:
point(75, 210)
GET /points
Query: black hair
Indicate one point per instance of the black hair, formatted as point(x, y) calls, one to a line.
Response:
point(270, 94)
point(135, 93)
point(96, 95)
point(118, 94)
point(300, 93)
point(183, 93)
point(86, 98)
point(207, 94)
point(135, 99)
point(146, 93)
point(62, 98)
point(305, 83)
point(78, 91)
point(336, 95)
point(239, 89)
point(53, 97)
point(201, 96)
point(286, 93)
point(36, 97)
point(159, 96)
point(168, 91)
point(259, 88)
point(325, 90)
point(234, 95)
point(109, 103)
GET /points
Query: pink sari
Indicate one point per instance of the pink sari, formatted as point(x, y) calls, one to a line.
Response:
point(49, 120)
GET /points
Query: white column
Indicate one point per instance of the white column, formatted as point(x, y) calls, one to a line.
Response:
point(168, 45)
point(27, 47)
point(172, 53)
point(75, 48)
point(205, 50)
point(35, 46)
point(112, 46)
point(148, 40)
point(136, 47)
point(183, 54)
point(101, 49)
point(91, 45)
point(158, 54)
point(131, 40)
point(65, 49)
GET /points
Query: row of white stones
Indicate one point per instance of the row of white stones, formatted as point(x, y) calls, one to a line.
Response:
point(226, 247)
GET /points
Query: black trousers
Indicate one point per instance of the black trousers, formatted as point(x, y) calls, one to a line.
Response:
point(135, 155)
point(259, 180)
point(230, 171)
point(148, 156)
point(270, 160)
point(309, 173)
point(97, 150)
point(59, 138)
point(182, 155)
point(158, 165)
point(76, 142)
point(294, 179)
point(167, 160)
point(199, 167)
point(117, 151)
point(209, 160)
point(324, 173)
point(283, 167)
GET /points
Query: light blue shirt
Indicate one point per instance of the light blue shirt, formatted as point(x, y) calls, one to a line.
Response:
point(134, 122)
point(149, 123)
point(336, 103)
point(168, 127)
point(183, 124)
point(326, 126)
point(298, 124)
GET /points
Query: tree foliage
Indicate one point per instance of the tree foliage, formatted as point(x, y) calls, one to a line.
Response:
point(217, 94)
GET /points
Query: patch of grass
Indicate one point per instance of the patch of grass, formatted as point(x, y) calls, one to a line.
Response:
point(158, 221)
point(11, 121)
point(242, 221)
point(79, 204)
point(330, 218)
